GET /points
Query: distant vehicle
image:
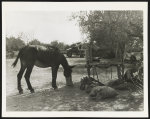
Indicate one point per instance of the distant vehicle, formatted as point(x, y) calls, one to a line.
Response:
point(79, 49)
point(76, 49)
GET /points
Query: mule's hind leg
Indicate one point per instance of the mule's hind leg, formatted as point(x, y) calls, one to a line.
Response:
point(19, 76)
point(27, 77)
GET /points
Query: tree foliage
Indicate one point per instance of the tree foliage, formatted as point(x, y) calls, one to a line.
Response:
point(34, 42)
point(112, 30)
point(14, 44)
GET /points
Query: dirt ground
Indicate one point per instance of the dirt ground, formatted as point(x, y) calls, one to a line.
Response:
point(65, 98)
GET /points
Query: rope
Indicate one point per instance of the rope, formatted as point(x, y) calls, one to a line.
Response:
point(93, 71)
point(96, 74)
point(111, 73)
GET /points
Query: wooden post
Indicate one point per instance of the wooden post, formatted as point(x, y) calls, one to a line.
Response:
point(87, 55)
point(119, 72)
point(123, 57)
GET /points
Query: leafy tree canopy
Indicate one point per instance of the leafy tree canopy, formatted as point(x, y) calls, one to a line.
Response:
point(14, 44)
point(34, 42)
point(112, 29)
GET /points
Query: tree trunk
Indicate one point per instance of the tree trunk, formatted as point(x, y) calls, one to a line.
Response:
point(116, 54)
point(119, 72)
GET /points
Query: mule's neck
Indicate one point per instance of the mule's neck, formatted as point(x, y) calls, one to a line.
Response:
point(64, 63)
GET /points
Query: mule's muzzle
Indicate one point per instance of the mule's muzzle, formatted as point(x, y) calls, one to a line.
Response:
point(69, 82)
point(70, 85)
point(82, 87)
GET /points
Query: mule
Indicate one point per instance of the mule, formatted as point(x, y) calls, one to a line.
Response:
point(41, 56)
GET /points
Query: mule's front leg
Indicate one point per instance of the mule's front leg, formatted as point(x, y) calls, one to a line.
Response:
point(54, 76)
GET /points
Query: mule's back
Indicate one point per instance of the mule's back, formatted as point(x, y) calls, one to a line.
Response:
point(41, 56)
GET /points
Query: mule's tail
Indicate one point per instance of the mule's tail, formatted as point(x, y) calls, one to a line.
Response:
point(16, 60)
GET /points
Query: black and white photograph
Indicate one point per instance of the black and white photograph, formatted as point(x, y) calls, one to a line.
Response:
point(74, 59)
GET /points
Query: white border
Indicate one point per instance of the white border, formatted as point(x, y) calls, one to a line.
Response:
point(75, 6)
point(64, 6)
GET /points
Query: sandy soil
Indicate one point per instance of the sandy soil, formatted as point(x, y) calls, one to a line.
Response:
point(65, 98)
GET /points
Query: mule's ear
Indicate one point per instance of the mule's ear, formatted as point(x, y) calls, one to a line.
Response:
point(72, 66)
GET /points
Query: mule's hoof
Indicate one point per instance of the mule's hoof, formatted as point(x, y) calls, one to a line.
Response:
point(71, 85)
point(32, 91)
point(55, 88)
point(21, 92)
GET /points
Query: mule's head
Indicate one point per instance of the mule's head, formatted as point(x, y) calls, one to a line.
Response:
point(68, 75)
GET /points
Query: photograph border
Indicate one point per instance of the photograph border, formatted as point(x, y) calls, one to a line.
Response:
point(144, 113)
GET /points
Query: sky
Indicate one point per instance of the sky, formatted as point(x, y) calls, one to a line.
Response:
point(49, 21)
point(46, 26)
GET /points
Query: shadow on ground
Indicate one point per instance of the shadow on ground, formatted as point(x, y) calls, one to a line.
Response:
point(72, 99)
